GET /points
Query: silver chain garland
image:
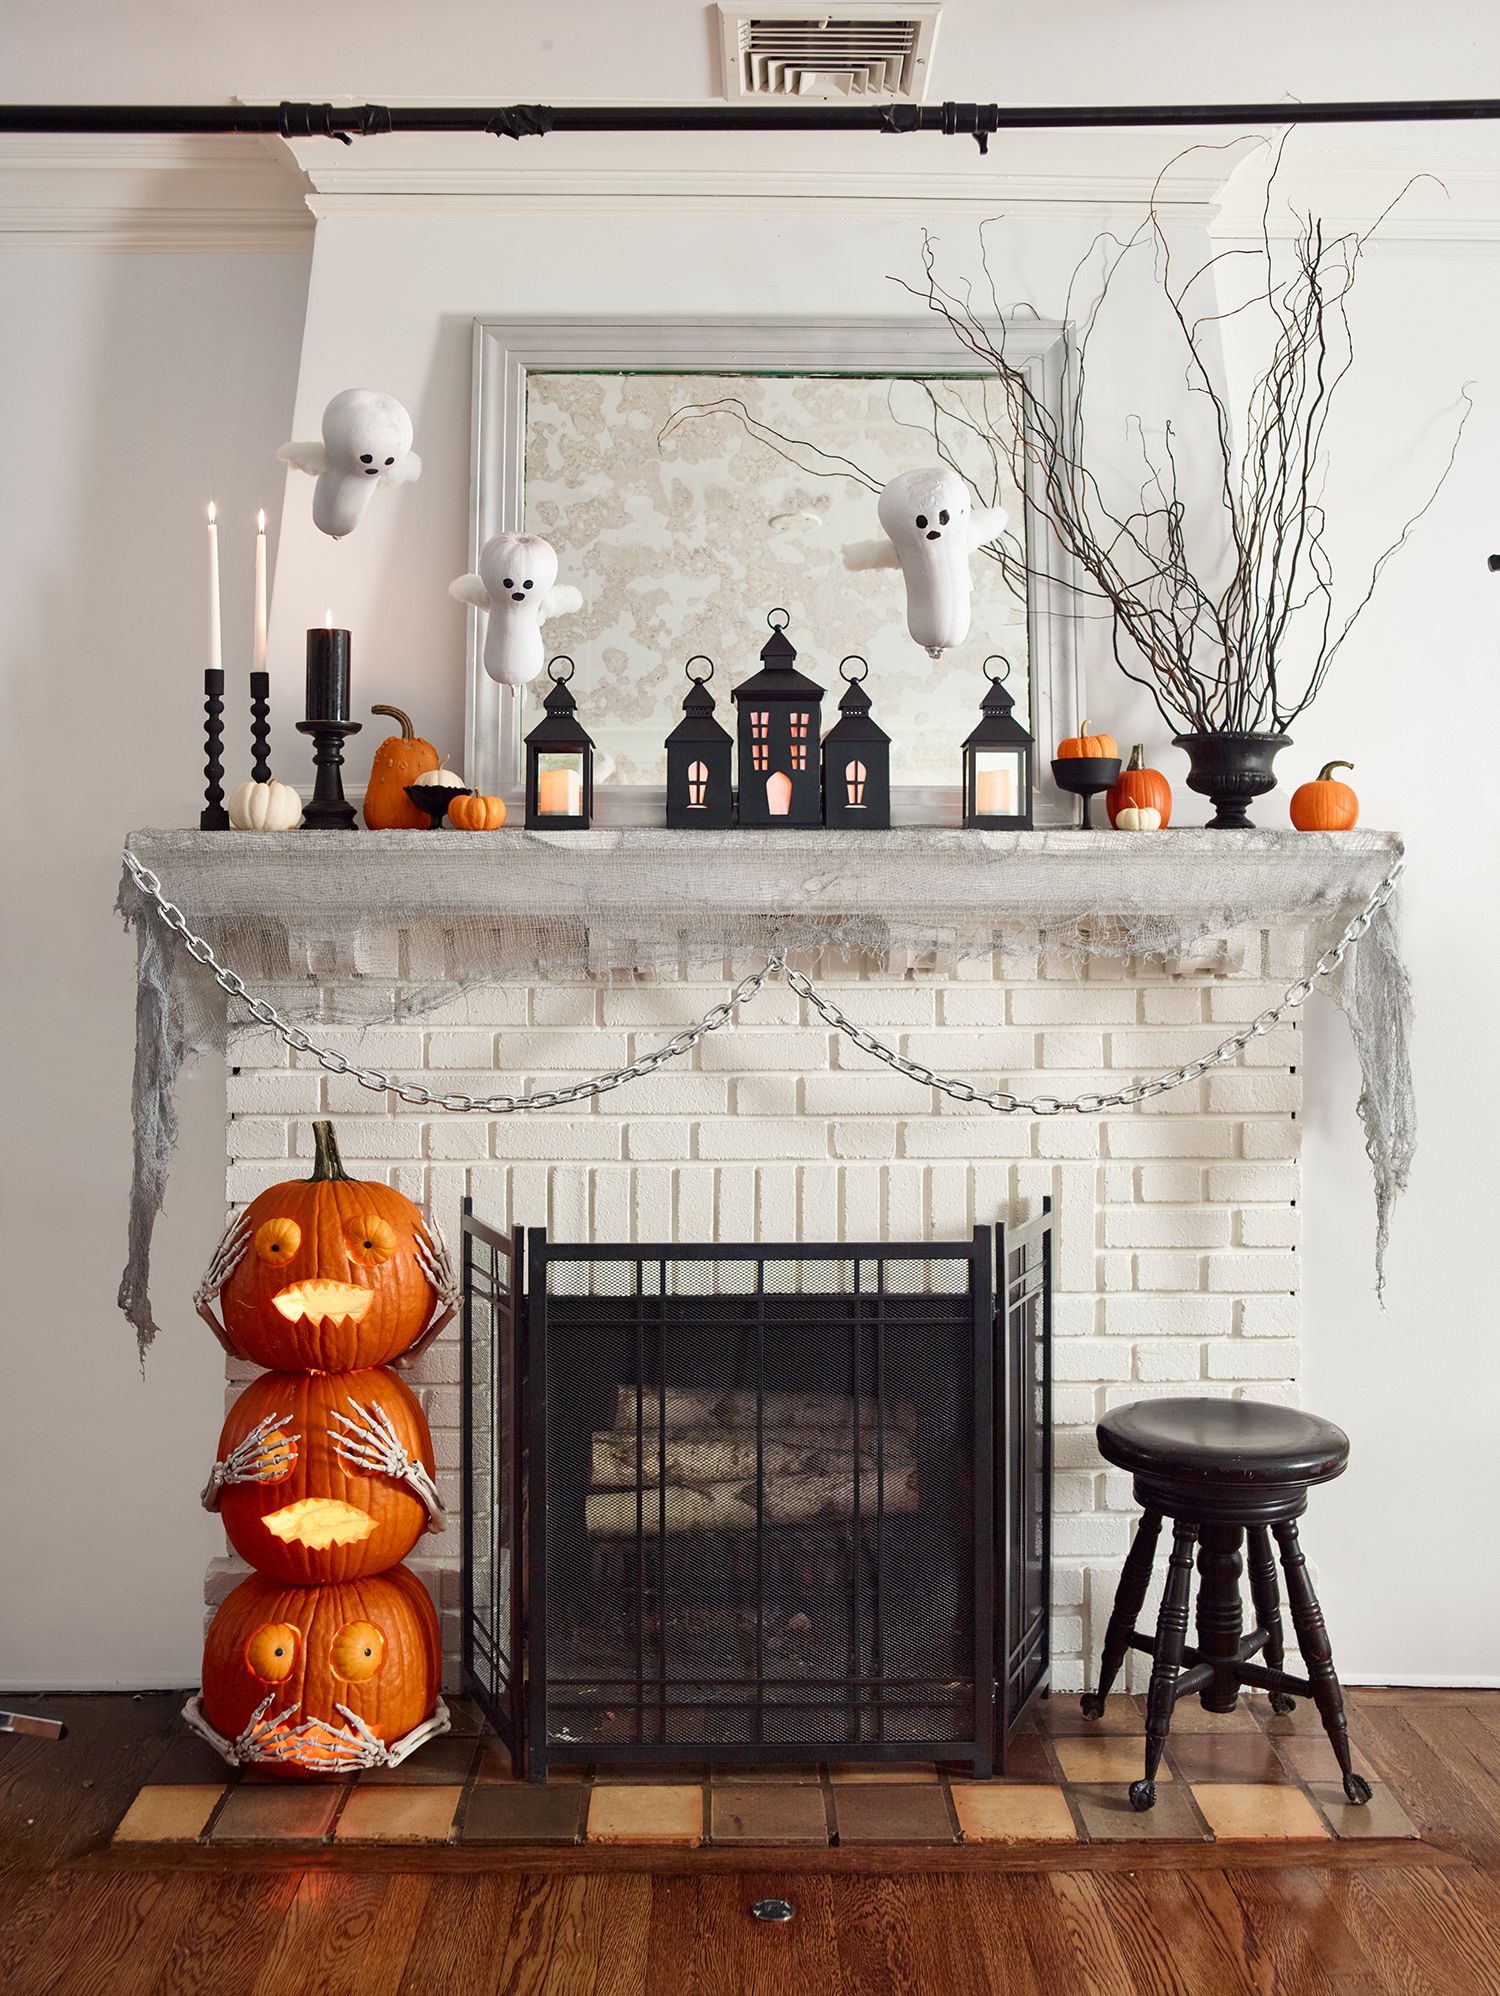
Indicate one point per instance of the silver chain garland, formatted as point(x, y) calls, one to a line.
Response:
point(998, 1099)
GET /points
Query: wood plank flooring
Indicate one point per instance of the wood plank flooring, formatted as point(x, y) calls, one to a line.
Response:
point(1409, 1920)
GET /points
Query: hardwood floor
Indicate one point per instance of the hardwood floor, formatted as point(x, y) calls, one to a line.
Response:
point(1409, 1920)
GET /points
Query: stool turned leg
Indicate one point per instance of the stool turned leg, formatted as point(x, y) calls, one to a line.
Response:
point(1265, 1595)
point(1171, 1634)
point(1135, 1578)
point(1220, 1614)
point(1317, 1654)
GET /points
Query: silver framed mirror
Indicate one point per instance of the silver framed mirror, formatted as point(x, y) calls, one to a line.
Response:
point(695, 473)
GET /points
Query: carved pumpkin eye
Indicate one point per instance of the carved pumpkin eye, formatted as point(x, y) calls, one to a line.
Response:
point(358, 1652)
point(272, 1651)
point(277, 1241)
point(371, 1240)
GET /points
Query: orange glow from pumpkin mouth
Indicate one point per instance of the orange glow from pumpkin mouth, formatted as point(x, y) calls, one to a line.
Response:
point(323, 1299)
point(320, 1522)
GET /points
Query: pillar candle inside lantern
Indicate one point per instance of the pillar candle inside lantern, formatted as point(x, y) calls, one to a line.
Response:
point(559, 793)
point(996, 791)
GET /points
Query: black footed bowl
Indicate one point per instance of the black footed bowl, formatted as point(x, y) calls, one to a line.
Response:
point(434, 799)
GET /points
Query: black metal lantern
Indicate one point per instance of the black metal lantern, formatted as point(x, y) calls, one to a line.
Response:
point(997, 762)
point(779, 725)
point(700, 761)
point(856, 760)
point(559, 762)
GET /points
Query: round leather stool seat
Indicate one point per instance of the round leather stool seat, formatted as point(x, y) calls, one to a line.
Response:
point(1238, 1441)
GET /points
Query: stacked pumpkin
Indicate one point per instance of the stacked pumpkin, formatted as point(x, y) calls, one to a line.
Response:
point(328, 1657)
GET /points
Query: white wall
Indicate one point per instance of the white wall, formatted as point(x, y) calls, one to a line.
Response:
point(135, 387)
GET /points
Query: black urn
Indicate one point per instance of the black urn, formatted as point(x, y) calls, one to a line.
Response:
point(1232, 771)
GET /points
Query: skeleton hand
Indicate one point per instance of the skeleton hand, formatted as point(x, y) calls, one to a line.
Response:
point(371, 1447)
point(234, 1243)
point(264, 1456)
point(335, 1749)
point(437, 1265)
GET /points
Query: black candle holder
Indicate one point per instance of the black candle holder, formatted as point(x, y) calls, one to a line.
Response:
point(260, 727)
point(1085, 776)
point(213, 817)
point(328, 810)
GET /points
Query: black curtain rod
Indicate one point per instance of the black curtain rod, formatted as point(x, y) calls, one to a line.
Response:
point(517, 121)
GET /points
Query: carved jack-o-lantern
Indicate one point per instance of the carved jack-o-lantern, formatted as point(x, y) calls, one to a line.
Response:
point(320, 1680)
point(328, 1273)
point(325, 1475)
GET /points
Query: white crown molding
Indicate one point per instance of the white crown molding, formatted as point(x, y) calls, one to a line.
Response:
point(150, 193)
point(1447, 203)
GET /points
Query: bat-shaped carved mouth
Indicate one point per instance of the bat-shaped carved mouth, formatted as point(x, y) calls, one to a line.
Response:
point(313, 1300)
point(320, 1522)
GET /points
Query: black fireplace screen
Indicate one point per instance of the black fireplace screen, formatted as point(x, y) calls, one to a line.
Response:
point(756, 1502)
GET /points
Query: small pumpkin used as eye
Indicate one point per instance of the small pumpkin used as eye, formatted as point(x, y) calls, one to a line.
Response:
point(1142, 787)
point(1325, 804)
point(277, 1241)
point(1084, 744)
point(477, 813)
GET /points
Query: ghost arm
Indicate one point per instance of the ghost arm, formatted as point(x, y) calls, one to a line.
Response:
point(561, 600)
point(405, 472)
point(469, 589)
point(871, 554)
point(309, 457)
point(986, 524)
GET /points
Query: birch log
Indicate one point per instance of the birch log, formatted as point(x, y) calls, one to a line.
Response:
point(730, 1506)
point(685, 1408)
point(728, 1455)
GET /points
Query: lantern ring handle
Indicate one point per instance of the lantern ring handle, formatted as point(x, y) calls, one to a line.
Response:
point(854, 678)
point(997, 678)
point(772, 615)
point(699, 678)
point(560, 678)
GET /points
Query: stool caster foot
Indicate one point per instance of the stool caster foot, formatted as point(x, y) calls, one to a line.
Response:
point(1357, 1789)
point(1282, 1703)
point(1142, 1795)
point(1091, 1704)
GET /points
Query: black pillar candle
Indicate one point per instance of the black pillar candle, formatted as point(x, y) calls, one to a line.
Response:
point(327, 675)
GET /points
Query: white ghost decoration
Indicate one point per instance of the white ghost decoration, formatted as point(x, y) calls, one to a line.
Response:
point(366, 442)
point(517, 584)
point(932, 528)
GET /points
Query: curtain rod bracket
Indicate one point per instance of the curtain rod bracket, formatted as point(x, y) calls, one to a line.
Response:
point(522, 121)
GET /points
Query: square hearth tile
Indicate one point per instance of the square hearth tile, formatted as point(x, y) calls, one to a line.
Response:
point(803, 1774)
point(439, 1764)
point(913, 1813)
point(524, 1812)
point(410, 1815)
point(1313, 1760)
point(284, 1812)
point(1381, 1816)
point(1107, 1816)
point(189, 1763)
point(1117, 1759)
point(1026, 1760)
point(1243, 1811)
point(1007, 1813)
point(1225, 1757)
point(853, 1772)
point(767, 1812)
point(1063, 1714)
point(174, 1814)
point(622, 1774)
point(649, 1813)
point(465, 1717)
point(493, 1764)
point(1190, 1717)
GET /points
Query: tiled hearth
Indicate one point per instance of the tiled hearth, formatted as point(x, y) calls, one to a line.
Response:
point(1244, 1777)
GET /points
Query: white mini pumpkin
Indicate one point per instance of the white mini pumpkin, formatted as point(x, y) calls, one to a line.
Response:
point(265, 807)
point(1138, 818)
point(440, 779)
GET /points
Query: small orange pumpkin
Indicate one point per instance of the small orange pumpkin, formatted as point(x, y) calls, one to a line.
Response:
point(1085, 744)
point(327, 1273)
point(476, 813)
point(314, 1507)
point(301, 1652)
point(399, 760)
point(1325, 804)
point(1144, 789)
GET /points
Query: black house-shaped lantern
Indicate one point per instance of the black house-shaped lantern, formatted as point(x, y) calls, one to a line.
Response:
point(559, 762)
point(779, 725)
point(700, 761)
point(997, 762)
point(856, 761)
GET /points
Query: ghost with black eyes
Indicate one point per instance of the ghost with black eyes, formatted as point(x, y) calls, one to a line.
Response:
point(932, 530)
point(517, 585)
point(366, 442)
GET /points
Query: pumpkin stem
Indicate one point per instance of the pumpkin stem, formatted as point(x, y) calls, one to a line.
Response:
point(326, 1160)
point(408, 732)
point(1137, 757)
point(1329, 767)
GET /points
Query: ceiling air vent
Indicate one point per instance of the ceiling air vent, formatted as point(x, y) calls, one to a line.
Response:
point(791, 54)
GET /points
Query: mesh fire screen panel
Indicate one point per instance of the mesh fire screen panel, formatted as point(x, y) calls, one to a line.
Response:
point(759, 1492)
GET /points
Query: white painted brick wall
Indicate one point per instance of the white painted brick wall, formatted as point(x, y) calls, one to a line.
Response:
point(1177, 1270)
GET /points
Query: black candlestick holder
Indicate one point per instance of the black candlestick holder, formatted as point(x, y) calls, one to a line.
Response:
point(328, 809)
point(213, 817)
point(260, 727)
point(1085, 776)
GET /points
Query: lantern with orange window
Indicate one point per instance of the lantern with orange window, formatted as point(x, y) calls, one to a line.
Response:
point(781, 783)
point(700, 760)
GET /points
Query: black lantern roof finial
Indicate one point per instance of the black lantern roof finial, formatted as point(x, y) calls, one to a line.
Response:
point(698, 723)
point(779, 678)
